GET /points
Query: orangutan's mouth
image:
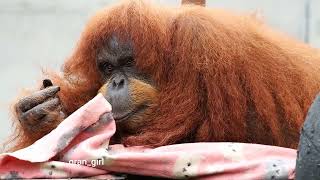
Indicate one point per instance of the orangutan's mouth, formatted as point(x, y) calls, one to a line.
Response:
point(140, 109)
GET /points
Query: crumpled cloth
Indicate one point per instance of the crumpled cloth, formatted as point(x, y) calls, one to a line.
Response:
point(79, 147)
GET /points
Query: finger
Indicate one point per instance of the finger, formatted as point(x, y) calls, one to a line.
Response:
point(41, 110)
point(55, 115)
point(51, 120)
point(36, 98)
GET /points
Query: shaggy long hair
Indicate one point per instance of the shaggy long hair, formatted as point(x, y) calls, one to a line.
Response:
point(221, 76)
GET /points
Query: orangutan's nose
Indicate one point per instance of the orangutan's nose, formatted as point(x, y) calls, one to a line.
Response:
point(118, 83)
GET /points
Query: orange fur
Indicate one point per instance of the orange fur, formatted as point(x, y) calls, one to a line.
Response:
point(220, 76)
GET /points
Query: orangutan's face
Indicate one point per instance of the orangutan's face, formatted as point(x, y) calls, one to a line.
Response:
point(130, 92)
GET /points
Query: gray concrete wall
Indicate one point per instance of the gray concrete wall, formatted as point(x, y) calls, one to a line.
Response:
point(42, 33)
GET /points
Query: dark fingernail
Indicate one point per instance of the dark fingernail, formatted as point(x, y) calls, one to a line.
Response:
point(46, 83)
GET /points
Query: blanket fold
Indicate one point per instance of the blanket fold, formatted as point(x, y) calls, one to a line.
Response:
point(79, 147)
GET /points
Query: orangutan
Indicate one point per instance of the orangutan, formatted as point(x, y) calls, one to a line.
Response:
point(175, 75)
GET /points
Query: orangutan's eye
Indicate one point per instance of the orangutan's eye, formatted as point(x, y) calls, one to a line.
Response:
point(130, 61)
point(127, 61)
point(106, 67)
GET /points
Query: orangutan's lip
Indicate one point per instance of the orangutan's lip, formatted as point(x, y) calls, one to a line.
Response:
point(137, 110)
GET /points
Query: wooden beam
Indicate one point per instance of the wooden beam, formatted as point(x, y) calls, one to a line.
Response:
point(197, 2)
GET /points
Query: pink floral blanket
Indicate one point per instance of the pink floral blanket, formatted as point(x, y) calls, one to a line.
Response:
point(79, 147)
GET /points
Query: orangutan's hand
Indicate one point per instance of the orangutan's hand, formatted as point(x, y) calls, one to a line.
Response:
point(41, 110)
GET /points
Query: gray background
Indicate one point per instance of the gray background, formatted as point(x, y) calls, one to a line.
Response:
point(38, 34)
